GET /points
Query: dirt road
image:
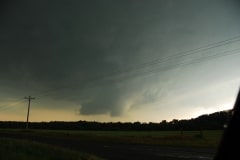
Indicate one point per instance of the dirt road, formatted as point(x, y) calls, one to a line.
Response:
point(117, 151)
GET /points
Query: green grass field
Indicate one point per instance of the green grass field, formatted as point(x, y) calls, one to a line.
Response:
point(209, 139)
point(11, 149)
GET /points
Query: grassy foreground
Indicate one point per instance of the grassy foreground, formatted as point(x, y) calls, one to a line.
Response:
point(208, 139)
point(11, 149)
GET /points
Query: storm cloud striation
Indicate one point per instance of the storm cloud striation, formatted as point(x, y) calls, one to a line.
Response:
point(111, 57)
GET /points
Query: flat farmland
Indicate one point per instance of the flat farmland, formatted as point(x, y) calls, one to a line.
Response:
point(127, 144)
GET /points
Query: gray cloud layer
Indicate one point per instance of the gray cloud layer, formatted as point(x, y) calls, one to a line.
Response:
point(56, 44)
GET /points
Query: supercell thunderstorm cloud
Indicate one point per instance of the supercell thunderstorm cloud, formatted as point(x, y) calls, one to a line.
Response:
point(129, 60)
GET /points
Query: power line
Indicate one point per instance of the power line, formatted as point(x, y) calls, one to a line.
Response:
point(10, 106)
point(166, 59)
point(136, 75)
point(208, 46)
point(127, 77)
point(179, 55)
point(29, 102)
point(187, 63)
point(154, 62)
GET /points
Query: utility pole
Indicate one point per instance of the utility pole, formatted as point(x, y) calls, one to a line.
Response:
point(29, 102)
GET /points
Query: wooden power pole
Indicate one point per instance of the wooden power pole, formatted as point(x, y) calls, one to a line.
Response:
point(29, 102)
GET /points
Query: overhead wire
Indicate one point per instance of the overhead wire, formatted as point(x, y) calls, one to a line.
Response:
point(180, 54)
point(132, 76)
point(202, 48)
point(154, 62)
point(11, 106)
point(226, 53)
point(116, 73)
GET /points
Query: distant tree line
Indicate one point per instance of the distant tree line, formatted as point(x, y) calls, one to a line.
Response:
point(214, 121)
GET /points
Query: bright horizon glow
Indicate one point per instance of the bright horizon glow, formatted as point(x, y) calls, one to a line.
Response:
point(36, 115)
point(113, 61)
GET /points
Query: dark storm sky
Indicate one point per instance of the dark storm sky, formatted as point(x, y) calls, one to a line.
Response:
point(94, 58)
